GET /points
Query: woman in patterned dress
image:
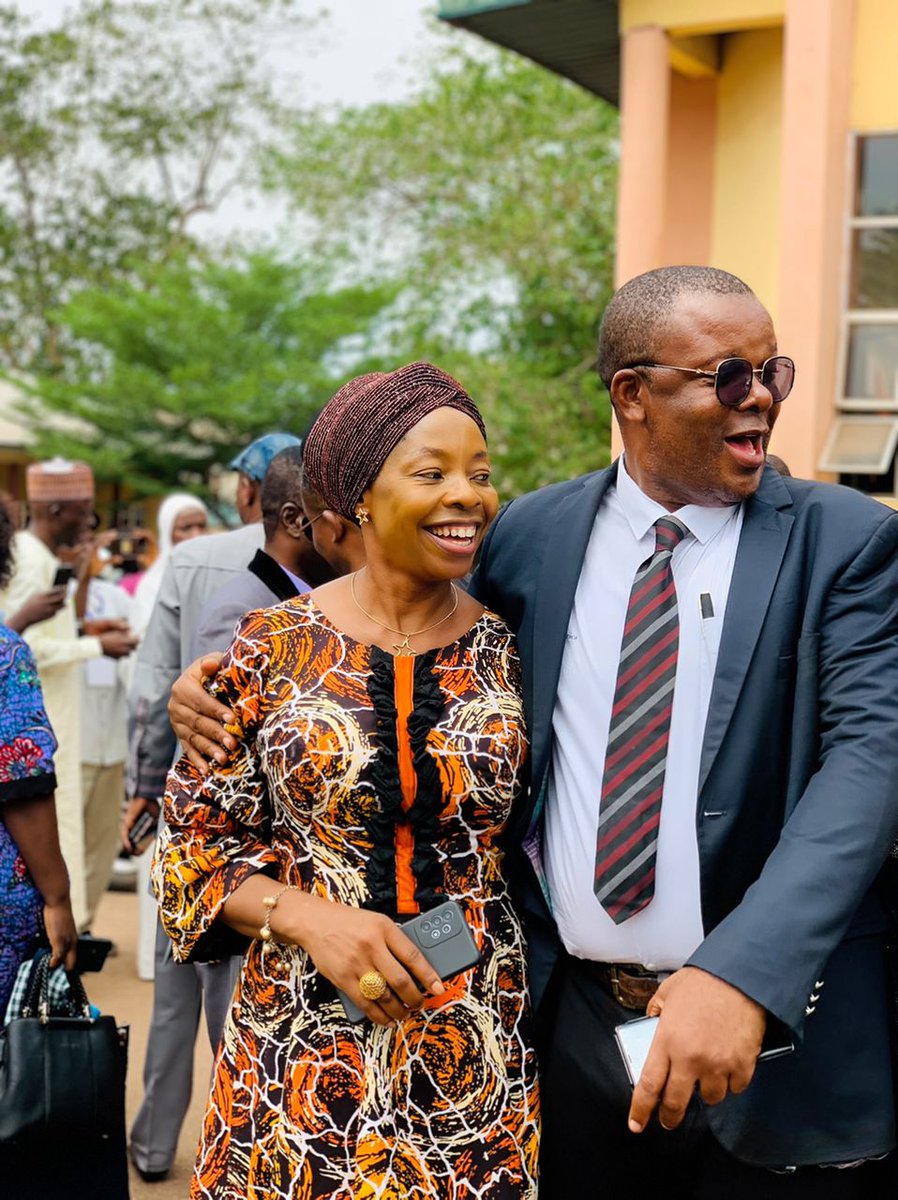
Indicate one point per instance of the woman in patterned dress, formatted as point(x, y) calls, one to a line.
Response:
point(380, 747)
point(34, 883)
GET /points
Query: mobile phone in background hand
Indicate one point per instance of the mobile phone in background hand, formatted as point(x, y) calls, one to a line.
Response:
point(62, 576)
point(91, 953)
point(142, 832)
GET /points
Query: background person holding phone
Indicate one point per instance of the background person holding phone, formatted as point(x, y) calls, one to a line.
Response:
point(60, 497)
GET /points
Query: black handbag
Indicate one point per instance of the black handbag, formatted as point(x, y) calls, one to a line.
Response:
point(62, 1076)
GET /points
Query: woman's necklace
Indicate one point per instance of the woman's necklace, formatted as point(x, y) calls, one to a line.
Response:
point(402, 648)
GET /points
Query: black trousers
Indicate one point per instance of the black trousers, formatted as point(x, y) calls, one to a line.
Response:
point(588, 1151)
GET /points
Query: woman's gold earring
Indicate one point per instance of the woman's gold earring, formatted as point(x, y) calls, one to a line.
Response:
point(362, 516)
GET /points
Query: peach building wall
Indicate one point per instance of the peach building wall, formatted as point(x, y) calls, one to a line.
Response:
point(874, 95)
point(742, 162)
point(748, 161)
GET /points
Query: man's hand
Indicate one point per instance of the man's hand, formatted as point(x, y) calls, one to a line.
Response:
point(709, 1034)
point(137, 806)
point(118, 643)
point(39, 607)
point(200, 722)
point(104, 625)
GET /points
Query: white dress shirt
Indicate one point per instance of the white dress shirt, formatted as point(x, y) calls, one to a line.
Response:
point(104, 683)
point(663, 935)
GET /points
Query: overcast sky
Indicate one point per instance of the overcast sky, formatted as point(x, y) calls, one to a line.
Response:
point(365, 49)
point(361, 51)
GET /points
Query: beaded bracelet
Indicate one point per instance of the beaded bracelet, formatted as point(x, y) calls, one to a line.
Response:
point(271, 903)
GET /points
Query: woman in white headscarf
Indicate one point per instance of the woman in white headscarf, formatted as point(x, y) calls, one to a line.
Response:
point(181, 517)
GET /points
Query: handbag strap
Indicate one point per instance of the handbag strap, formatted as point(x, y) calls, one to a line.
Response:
point(79, 995)
point(38, 998)
point(38, 986)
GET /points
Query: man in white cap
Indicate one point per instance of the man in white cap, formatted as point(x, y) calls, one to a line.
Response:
point(61, 511)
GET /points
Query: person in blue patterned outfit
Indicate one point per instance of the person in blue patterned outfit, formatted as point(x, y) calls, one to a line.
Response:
point(34, 883)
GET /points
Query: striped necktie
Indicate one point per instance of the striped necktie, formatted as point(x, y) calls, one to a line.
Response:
point(633, 780)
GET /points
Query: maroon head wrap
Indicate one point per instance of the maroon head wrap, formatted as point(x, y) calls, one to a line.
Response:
point(357, 429)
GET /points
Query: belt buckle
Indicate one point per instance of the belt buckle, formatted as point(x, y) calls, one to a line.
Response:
point(614, 980)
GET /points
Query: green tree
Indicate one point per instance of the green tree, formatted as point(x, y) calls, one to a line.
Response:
point(118, 129)
point(490, 196)
point(190, 360)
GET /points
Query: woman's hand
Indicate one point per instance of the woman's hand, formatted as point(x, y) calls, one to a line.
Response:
point(199, 721)
point(62, 933)
point(344, 943)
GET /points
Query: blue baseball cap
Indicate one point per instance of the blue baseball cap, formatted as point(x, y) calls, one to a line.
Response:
point(255, 460)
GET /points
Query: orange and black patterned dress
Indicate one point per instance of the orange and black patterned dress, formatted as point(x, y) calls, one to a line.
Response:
point(382, 783)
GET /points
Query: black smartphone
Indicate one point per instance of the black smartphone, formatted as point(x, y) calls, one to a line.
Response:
point(142, 832)
point(443, 937)
point(62, 576)
point(91, 953)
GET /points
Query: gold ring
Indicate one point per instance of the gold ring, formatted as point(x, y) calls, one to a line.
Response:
point(373, 985)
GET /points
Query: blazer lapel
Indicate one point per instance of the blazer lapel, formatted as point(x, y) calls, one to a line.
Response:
point(567, 537)
point(273, 575)
point(762, 544)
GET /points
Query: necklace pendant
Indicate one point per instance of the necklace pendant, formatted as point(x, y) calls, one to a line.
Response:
point(403, 649)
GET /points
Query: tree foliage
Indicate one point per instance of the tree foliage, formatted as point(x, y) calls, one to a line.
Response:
point(191, 359)
point(490, 196)
point(475, 220)
point(118, 129)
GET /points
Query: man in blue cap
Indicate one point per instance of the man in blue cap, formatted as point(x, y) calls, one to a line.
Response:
point(195, 572)
point(251, 465)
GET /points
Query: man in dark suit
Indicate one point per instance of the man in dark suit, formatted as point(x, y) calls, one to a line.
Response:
point(714, 724)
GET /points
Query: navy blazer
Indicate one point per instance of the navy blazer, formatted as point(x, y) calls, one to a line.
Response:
point(798, 791)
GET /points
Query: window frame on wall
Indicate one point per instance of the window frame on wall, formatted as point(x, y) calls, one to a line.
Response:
point(855, 416)
point(855, 318)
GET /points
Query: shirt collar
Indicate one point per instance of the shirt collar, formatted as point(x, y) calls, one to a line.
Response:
point(299, 584)
point(641, 512)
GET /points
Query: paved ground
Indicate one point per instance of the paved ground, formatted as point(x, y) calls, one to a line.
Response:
point(117, 990)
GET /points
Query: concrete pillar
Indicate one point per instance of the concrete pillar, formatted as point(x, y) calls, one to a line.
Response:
point(690, 170)
point(816, 120)
point(642, 194)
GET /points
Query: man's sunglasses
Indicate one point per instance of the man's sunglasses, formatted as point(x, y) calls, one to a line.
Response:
point(733, 377)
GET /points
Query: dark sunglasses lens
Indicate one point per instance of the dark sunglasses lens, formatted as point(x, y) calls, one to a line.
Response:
point(778, 377)
point(733, 381)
